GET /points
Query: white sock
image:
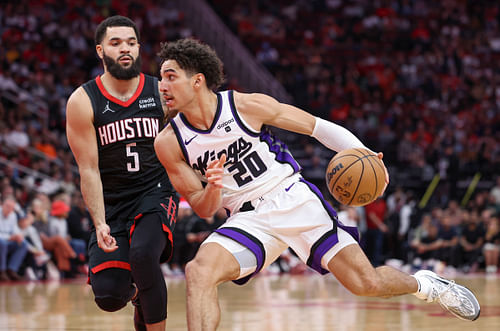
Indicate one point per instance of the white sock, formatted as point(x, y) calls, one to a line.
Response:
point(424, 288)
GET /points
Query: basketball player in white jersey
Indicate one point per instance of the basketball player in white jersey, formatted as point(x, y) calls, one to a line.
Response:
point(218, 154)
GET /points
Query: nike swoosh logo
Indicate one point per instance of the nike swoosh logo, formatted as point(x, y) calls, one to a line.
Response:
point(289, 187)
point(186, 142)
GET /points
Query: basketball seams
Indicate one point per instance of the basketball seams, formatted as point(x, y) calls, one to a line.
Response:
point(360, 178)
point(346, 168)
point(362, 186)
point(374, 172)
point(360, 151)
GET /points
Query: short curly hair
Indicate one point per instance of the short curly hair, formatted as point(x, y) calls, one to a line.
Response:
point(194, 57)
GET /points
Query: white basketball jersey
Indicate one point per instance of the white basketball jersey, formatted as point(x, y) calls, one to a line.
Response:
point(255, 161)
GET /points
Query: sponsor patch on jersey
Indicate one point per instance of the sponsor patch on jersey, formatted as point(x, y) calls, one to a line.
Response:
point(147, 103)
point(225, 125)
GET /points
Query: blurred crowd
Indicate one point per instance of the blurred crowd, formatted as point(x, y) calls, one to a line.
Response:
point(416, 80)
point(454, 238)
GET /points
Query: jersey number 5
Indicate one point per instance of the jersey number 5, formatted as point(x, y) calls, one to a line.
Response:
point(134, 165)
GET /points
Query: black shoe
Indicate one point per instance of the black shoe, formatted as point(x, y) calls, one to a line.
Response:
point(139, 323)
point(13, 275)
point(3, 276)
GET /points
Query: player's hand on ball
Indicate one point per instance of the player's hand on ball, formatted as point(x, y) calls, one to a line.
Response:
point(105, 241)
point(381, 156)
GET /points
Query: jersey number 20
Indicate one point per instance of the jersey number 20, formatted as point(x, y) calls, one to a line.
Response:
point(253, 163)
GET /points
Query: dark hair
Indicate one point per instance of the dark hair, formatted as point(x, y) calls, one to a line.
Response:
point(194, 57)
point(117, 20)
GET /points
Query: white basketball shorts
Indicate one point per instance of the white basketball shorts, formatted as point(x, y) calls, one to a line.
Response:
point(293, 214)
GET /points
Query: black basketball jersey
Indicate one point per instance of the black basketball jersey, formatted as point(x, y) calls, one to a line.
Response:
point(125, 132)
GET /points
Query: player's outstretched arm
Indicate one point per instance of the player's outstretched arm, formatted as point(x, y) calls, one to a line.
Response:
point(205, 201)
point(82, 141)
point(258, 109)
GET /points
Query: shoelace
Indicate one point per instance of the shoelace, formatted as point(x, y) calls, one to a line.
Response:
point(458, 303)
point(448, 287)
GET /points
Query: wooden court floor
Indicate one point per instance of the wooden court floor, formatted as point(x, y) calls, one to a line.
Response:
point(268, 303)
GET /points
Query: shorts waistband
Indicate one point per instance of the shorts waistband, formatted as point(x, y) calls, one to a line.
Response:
point(286, 184)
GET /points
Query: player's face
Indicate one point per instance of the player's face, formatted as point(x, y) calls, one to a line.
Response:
point(176, 86)
point(120, 52)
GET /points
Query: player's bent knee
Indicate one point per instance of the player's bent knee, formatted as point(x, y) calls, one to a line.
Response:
point(198, 274)
point(366, 288)
point(193, 271)
point(110, 303)
point(141, 257)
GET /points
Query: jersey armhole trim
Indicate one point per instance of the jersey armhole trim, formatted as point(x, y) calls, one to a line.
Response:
point(179, 140)
point(87, 88)
point(242, 124)
point(218, 112)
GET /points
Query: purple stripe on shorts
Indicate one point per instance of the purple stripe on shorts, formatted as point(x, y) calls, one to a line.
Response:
point(330, 239)
point(321, 250)
point(248, 241)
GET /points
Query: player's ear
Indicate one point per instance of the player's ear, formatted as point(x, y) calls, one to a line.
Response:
point(198, 79)
point(98, 49)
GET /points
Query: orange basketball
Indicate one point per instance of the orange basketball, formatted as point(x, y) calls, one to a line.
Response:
point(355, 177)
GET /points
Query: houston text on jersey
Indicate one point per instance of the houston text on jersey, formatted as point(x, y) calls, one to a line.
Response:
point(129, 128)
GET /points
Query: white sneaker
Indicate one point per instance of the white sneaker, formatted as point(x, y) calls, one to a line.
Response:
point(455, 298)
point(491, 269)
point(30, 274)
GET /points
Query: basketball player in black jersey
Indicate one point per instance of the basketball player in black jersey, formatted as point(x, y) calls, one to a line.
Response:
point(111, 125)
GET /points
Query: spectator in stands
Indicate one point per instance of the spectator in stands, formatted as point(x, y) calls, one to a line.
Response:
point(495, 191)
point(405, 219)
point(471, 241)
point(268, 55)
point(58, 227)
point(58, 246)
point(425, 244)
point(448, 241)
point(406, 148)
point(13, 248)
point(17, 137)
point(45, 146)
point(348, 215)
point(37, 257)
point(67, 183)
point(491, 248)
point(376, 229)
point(79, 221)
point(395, 201)
point(455, 212)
